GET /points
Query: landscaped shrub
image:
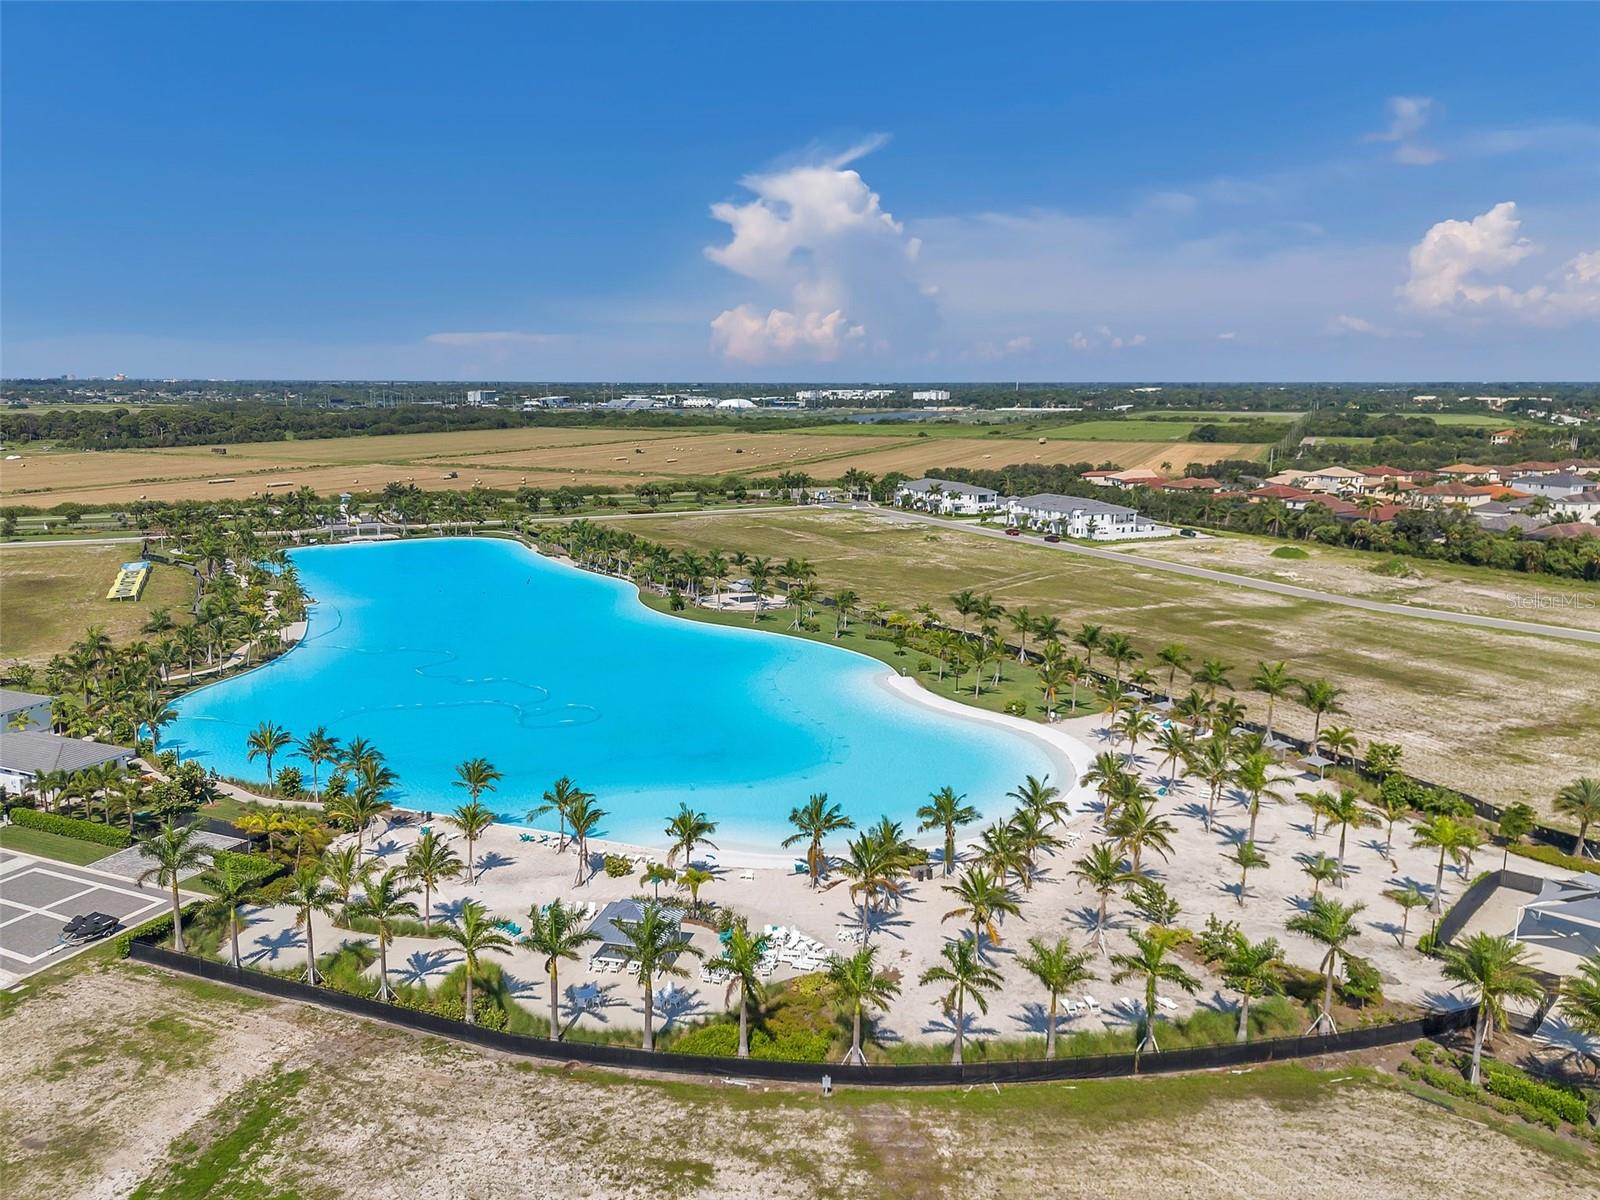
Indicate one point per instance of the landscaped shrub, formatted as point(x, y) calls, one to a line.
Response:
point(1289, 552)
point(1556, 858)
point(618, 866)
point(254, 866)
point(1361, 984)
point(1515, 1085)
point(72, 827)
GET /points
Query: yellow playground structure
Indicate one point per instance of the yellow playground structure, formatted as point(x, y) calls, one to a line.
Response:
point(130, 581)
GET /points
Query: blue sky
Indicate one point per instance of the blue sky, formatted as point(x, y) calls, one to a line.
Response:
point(801, 192)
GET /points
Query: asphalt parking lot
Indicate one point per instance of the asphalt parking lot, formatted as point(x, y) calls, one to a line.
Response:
point(39, 896)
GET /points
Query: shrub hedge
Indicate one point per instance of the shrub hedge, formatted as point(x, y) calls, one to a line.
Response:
point(256, 866)
point(72, 827)
point(1552, 856)
point(1514, 1085)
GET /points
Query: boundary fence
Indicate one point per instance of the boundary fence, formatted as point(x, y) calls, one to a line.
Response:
point(1098, 1066)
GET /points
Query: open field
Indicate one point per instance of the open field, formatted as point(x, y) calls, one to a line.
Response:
point(50, 594)
point(1424, 584)
point(1505, 716)
point(544, 457)
point(121, 1081)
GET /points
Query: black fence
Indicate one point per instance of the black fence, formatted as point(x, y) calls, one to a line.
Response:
point(1098, 1066)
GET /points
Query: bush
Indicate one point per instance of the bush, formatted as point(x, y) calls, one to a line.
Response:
point(1016, 708)
point(1556, 858)
point(1361, 984)
point(254, 866)
point(72, 827)
point(618, 867)
point(1289, 552)
point(1513, 1085)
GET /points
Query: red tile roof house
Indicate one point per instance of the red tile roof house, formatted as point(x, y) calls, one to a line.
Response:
point(1190, 485)
point(1122, 478)
point(1502, 436)
point(1468, 471)
point(1381, 475)
point(1572, 529)
point(1468, 494)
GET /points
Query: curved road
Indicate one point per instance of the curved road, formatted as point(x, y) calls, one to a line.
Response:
point(1444, 616)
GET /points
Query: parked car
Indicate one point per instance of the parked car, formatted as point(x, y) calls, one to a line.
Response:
point(1013, 531)
point(88, 927)
point(1052, 537)
point(1189, 533)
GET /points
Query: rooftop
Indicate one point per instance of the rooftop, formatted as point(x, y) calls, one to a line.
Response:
point(13, 701)
point(948, 486)
point(34, 753)
point(1051, 502)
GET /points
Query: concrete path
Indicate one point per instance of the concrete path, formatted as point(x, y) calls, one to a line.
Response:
point(1445, 616)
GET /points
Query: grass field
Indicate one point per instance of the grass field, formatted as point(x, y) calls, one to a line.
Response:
point(550, 457)
point(52, 845)
point(123, 1081)
point(1505, 716)
point(50, 594)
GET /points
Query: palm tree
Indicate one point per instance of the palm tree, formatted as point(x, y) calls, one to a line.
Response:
point(1103, 871)
point(1247, 857)
point(1251, 969)
point(1332, 925)
point(968, 978)
point(556, 933)
point(1580, 800)
point(472, 818)
point(267, 739)
point(695, 878)
point(1151, 964)
point(1089, 637)
point(652, 946)
point(477, 934)
point(175, 853)
point(1175, 745)
point(1212, 761)
point(1057, 967)
point(1032, 838)
point(1000, 849)
point(1580, 998)
point(153, 714)
point(1408, 898)
point(1345, 812)
point(1041, 797)
point(1340, 742)
point(1175, 658)
point(1273, 681)
point(856, 983)
point(1137, 827)
point(687, 829)
point(655, 874)
point(1491, 969)
point(1211, 675)
point(430, 861)
point(1445, 834)
point(386, 902)
point(1320, 698)
point(346, 872)
point(231, 888)
point(874, 866)
point(476, 776)
point(946, 811)
point(1389, 808)
point(983, 898)
point(1120, 651)
point(1254, 777)
point(1321, 869)
point(563, 794)
point(813, 822)
point(317, 747)
point(741, 963)
point(308, 895)
point(585, 816)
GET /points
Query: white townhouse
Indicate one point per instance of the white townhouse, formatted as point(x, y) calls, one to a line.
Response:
point(1553, 485)
point(1076, 517)
point(948, 497)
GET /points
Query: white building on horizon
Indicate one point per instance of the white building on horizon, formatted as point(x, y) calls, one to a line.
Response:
point(948, 497)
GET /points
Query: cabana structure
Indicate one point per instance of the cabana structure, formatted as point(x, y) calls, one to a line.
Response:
point(1564, 916)
point(610, 953)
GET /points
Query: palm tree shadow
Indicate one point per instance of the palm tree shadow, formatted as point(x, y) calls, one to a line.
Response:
point(1035, 1018)
point(488, 862)
point(946, 1024)
point(271, 945)
point(517, 987)
point(1195, 810)
point(385, 848)
point(1300, 903)
point(589, 1000)
point(420, 964)
point(450, 910)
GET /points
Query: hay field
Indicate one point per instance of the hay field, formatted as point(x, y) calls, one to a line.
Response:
point(50, 594)
point(1502, 715)
point(540, 457)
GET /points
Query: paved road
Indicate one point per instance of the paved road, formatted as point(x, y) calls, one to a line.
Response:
point(1443, 616)
point(83, 541)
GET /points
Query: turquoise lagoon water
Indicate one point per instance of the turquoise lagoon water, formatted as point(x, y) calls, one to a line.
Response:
point(442, 650)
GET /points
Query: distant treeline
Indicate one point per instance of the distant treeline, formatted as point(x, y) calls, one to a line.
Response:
point(1421, 442)
point(114, 428)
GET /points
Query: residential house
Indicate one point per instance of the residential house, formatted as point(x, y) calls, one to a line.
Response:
point(1569, 529)
point(27, 754)
point(947, 496)
point(1122, 478)
point(1292, 498)
point(1580, 506)
point(1461, 472)
point(24, 710)
point(1197, 486)
point(1075, 517)
point(1556, 485)
point(1502, 437)
point(1467, 494)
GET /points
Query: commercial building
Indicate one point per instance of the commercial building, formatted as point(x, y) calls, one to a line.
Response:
point(934, 396)
point(480, 398)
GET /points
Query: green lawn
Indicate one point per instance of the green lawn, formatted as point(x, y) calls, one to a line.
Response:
point(52, 845)
point(54, 593)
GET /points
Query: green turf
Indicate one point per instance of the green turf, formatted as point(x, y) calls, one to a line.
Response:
point(52, 845)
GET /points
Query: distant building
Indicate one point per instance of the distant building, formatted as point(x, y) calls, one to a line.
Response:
point(947, 496)
point(1501, 437)
point(1555, 486)
point(1122, 478)
point(1076, 517)
point(737, 403)
point(480, 398)
point(934, 396)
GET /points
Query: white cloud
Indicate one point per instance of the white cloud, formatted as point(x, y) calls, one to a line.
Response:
point(1103, 339)
point(834, 266)
point(1345, 325)
point(744, 334)
point(1229, 336)
point(1407, 117)
point(1018, 345)
point(1454, 270)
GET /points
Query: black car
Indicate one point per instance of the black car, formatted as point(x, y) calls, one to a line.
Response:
point(1052, 537)
point(1189, 532)
point(88, 927)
